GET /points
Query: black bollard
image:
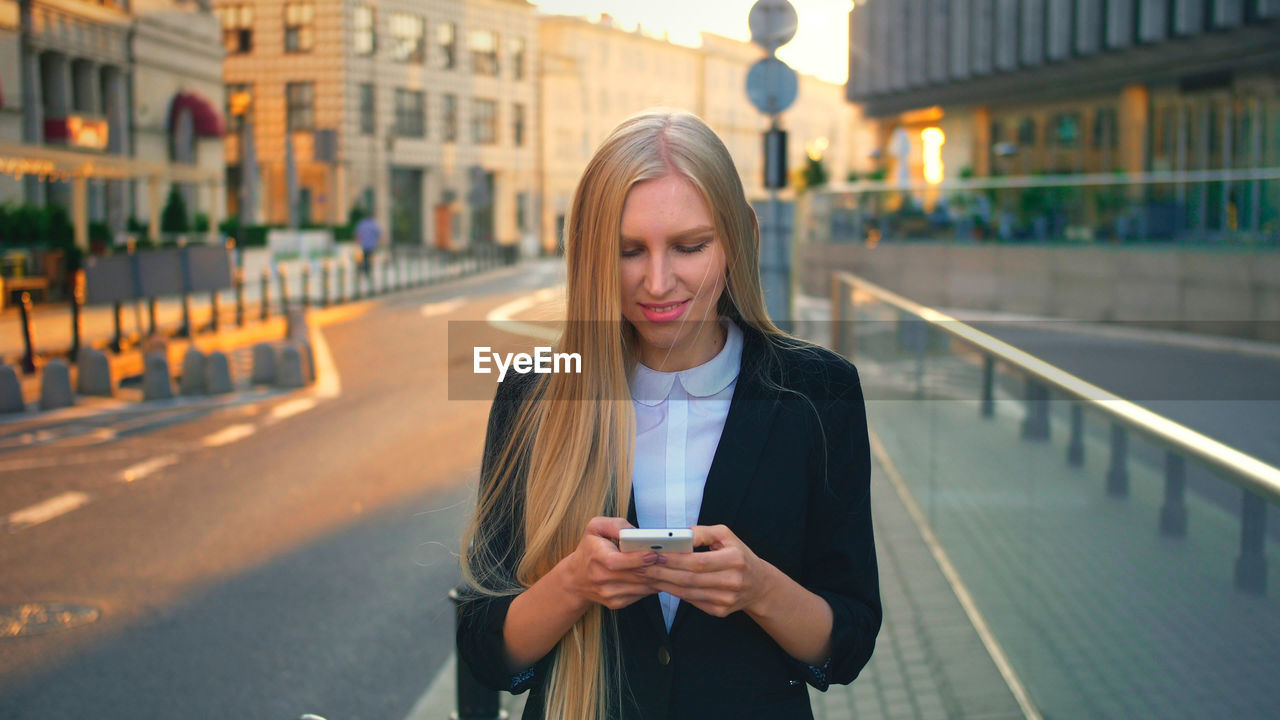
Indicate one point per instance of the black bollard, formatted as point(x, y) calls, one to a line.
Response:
point(117, 340)
point(264, 299)
point(475, 701)
point(185, 330)
point(77, 297)
point(283, 274)
point(239, 280)
point(324, 284)
point(342, 283)
point(1075, 447)
point(1173, 513)
point(1118, 471)
point(988, 386)
point(215, 306)
point(29, 355)
point(151, 316)
point(306, 285)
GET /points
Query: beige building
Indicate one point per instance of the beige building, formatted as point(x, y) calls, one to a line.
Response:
point(107, 103)
point(423, 112)
point(595, 74)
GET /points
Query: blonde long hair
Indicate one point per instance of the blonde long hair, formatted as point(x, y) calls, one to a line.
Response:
point(574, 434)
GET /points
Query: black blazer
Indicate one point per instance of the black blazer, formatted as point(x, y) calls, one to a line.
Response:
point(791, 478)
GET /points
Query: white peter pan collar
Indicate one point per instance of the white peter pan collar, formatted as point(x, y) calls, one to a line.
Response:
point(651, 387)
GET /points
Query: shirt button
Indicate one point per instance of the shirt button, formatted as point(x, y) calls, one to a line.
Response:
point(664, 656)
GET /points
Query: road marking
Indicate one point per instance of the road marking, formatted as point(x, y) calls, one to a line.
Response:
point(292, 407)
point(147, 467)
point(979, 623)
point(228, 435)
point(328, 383)
point(64, 459)
point(441, 308)
point(47, 510)
point(500, 317)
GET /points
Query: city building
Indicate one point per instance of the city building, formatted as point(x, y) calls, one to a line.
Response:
point(1019, 87)
point(595, 74)
point(423, 113)
point(106, 104)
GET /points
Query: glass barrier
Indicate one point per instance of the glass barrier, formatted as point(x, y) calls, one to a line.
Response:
point(1240, 207)
point(1115, 573)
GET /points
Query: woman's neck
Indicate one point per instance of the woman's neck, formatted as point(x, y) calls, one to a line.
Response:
point(705, 345)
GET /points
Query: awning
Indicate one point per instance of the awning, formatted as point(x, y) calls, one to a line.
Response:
point(208, 122)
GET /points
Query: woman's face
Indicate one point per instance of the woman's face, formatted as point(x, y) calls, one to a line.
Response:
point(673, 272)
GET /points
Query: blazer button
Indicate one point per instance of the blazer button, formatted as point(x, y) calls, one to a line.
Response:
point(664, 656)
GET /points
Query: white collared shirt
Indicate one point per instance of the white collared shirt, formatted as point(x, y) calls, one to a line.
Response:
point(679, 419)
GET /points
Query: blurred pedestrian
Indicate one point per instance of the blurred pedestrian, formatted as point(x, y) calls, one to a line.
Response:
point(369, 237)
point(692, 410)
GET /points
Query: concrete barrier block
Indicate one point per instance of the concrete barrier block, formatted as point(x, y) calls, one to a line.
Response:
point(264, 364)
point(157, 384)
point(296, 325)
point(10, 391)
point(55, 386)
point(94, 373)
point(289, 371)
point(192, 382)
point(217, 373)
point(308, 361)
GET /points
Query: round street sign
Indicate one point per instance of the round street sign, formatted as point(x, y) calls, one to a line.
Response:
point(773, 23)
point(772, 85)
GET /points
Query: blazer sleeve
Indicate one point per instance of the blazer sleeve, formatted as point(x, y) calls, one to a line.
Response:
point(840, 558)
point(481, 618)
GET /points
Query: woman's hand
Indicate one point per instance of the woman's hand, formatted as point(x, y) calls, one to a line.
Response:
point(726, 579)
point(598, 572)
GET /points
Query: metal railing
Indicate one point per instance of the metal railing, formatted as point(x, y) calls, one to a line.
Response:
point(1258, 482)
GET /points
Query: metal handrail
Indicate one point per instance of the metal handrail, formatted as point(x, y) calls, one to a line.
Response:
point(1246, 471)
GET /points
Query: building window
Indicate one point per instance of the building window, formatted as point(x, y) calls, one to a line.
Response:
point(517, 125)
point(239, 106)
point(484, 52)
point(237, 28)
point(365, 42)
point(299, 27)
point(368, 109)
point(1066, 130)
point(1104, 128)
point(408, 37)
point(1027, 133)
point(516, 49)
point(411, 106)
point(447, 39)
point(299, 105)
point(484, 122)
point(450, 117)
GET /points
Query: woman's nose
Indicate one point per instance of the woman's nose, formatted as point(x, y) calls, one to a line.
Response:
point(659, 278)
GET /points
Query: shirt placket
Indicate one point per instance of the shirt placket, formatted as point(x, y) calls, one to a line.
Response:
point(677, 438)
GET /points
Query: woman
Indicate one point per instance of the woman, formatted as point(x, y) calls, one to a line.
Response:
point(693, 410)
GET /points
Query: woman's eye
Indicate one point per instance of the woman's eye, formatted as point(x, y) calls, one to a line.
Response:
point(691, 249)
point(634, 252)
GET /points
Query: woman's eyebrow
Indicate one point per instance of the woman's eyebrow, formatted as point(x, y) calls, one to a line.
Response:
point(680, 236)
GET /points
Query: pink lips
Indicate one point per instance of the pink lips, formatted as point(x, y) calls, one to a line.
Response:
point(652, 314)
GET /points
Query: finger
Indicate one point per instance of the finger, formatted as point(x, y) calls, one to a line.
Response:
point(618, 561)
point(702, 562)
point(607, 527)
point(709, 535)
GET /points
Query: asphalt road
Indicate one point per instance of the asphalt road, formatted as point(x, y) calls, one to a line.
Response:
point(271, 554)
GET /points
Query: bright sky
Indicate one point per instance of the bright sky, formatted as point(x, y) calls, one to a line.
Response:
point(820, 46)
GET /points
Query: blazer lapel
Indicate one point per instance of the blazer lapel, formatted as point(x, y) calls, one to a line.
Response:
point(746, 431)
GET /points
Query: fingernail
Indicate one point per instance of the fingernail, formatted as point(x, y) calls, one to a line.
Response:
point(662, 560)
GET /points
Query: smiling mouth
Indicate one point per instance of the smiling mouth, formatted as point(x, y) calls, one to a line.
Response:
point(663, 308)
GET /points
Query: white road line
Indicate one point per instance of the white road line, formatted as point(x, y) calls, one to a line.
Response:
point(441, 308)
point(228, 435)
point(328, 383)
point(500, 317)
point(979, 623)
point(292, 407)
point(147, 467)
point(64, 459)
point(47, 510)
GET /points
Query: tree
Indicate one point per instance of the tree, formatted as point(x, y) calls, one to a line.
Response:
point(173, 219)
point(815, 173)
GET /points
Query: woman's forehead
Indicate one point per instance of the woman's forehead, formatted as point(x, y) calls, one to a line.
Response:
point(663, 203)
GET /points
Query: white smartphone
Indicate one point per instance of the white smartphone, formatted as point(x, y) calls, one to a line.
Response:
point(671, 540)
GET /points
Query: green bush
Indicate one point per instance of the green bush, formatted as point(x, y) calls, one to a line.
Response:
point(173, 219)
